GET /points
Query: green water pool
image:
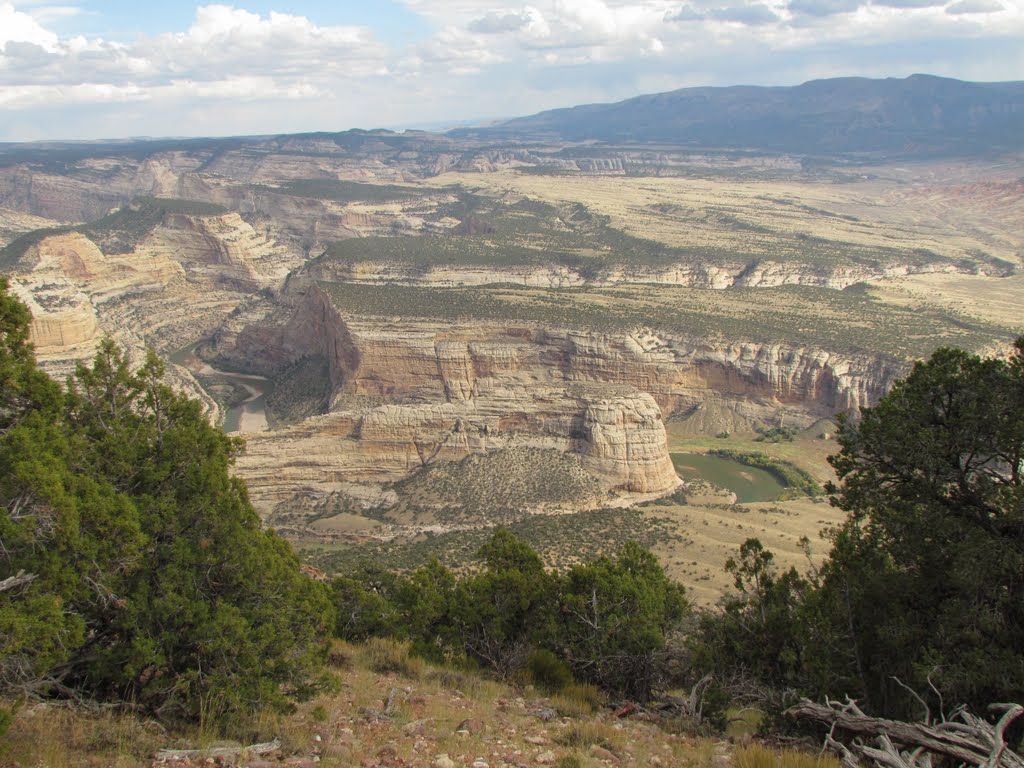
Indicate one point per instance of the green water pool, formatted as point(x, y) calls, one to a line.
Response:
point(748, 483)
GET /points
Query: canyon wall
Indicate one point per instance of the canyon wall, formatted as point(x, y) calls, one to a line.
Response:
point(176, 285)
point(427, 360)
point(452, 390)
point(693, 274)
point(90, 188)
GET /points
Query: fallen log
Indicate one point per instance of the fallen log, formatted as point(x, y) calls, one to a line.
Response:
point(969, 741)
point(171, 755)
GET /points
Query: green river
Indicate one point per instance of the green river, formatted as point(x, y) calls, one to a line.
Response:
point(748, 483)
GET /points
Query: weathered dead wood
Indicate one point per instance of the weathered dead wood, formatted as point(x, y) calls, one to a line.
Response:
point(973, 741)
point(17, 580)
point(695, 702)
point(170, 755)
point(389, 704)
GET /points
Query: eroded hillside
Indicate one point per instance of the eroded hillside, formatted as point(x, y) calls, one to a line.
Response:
point(444, 336)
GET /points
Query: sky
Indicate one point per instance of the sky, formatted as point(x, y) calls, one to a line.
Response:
point(114, 69)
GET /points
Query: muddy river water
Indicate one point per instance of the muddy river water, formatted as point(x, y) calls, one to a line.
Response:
point(249, 415)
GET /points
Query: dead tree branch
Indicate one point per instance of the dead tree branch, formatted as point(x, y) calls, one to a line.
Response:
point(895, 744)
point(17, 580)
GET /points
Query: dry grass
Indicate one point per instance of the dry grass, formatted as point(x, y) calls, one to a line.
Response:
point(876, 210)
point(714, 533)
point(757, 756)
point(991, 299)
point(713, 530)
point(587, 734)
point(384, 655)
point(428, 718)
point(577, 700)
point(54, 736)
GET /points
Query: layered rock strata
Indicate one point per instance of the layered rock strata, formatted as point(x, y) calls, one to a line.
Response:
point(486, 386)
point(427, 361)
point(176, 286)
point(619, 435)
point(696, 274)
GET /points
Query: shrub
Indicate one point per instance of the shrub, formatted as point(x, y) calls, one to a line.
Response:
point(547, 671)
point(613, 619)
point(361, 612)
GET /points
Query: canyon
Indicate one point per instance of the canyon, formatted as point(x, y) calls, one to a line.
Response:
point(481, 387)
point(422, 335)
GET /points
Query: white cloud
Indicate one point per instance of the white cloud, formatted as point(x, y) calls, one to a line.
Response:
point(495, 23)
point(19, 27)
point(684, 13)
point(458, 51)
point(753, 14)
point(909, 3)
point(975, 6)
point(824, 7)
point(225, 40)
point(24, 96)
point(47, 14)
point(222, 44)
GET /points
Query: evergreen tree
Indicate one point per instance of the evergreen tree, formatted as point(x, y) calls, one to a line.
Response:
point(614, 618)
point(922, 595)
point(155, 583)
point(502, 613)
point(929, 571)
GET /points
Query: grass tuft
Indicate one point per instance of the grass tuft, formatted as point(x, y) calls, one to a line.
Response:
point(547, 671)
point(757, 756)
point(383, 656)
point(577, 700)
point(584, 735)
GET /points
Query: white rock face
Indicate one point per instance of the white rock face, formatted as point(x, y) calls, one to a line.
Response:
point(624, 443)
point(223, 250)
point(483, 386)
point(763, 274)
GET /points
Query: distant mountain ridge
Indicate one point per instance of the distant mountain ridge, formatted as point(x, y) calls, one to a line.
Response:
point(917, 115)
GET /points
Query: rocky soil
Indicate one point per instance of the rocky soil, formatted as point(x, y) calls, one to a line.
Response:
point(413, 716)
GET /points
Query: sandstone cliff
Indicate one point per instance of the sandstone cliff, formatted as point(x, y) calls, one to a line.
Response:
point(694, 274)
point(175, 286)
point(620, 439)
point(479, 387)
point(64, 279)
point(431, 361)
point(219, 250)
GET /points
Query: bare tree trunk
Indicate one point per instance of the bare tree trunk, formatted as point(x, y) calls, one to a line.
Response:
point(968, 740)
